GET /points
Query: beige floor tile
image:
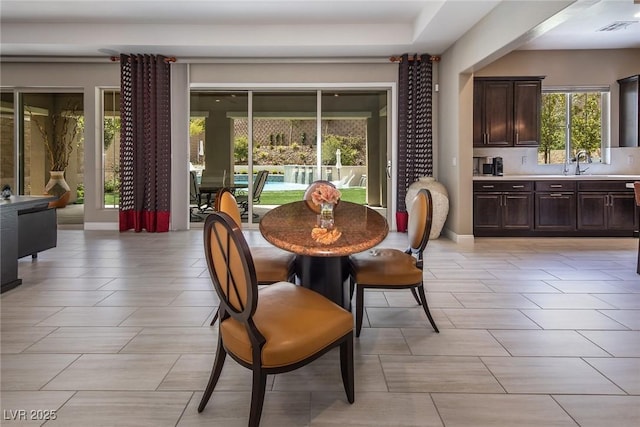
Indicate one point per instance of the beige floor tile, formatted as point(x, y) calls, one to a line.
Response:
point(31, 408)
point(520, 286)
point(22, 372)
point(431, 374)
point(453, 342)
point(114, 372)
point(493, 300)
point(196, 299)
point(549, 375)
point(373, 409)
point(410, 317)
point(174, 340)
point(231, 409)
point(169, 316)
point(192, 371)
point(481, 318)
point(381, 341)
point(625, 372)
point(572, 319)
point(56, 298)
point(122, 408)
point(495, 410)
point(24, 316)
point(617, 343)
point(404, 298)
point(140, 298)
point(586, 287)
point(568, 301)
point(628, 318)
point(622, 300)
point(523, 275)
point(598, 411)
point(374, 298)
point(142, 284)
point(84, 340)
point(324, 375)
point(72, 284)
point(581, 275)
point(460, 274)
point(16, 339)
point(438, 285)
point(88, 316)
point(548, 343)
point(202, 283)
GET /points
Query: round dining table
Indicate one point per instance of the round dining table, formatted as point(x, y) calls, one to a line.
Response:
point(324, 267)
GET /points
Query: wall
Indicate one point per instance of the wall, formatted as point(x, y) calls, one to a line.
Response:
point(500, 32)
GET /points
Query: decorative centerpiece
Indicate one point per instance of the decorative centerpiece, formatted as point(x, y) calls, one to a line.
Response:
point(326, 196)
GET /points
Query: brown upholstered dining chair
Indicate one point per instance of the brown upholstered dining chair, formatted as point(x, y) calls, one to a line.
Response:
point(383, 268)
point(272, 264)
point(277, 329)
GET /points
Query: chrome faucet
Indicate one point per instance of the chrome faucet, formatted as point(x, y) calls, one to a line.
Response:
point(585, 155)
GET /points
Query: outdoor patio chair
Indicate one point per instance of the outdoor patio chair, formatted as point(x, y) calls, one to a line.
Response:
point(258, 186)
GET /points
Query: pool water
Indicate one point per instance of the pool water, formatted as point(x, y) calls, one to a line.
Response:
point(274, 183)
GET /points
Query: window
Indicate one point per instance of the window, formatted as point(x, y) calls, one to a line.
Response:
point(111, 148)
point(573, 121)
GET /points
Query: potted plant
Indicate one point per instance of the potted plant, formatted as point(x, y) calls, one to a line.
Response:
point(59, 134)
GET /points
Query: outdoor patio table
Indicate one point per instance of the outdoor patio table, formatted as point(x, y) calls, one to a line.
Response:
point(324, 267)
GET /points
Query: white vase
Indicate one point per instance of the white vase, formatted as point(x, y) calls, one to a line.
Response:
point(57, 186)
point(439, 197)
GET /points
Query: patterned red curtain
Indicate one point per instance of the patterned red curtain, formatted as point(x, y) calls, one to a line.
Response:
point(415, 130)
point(145, 143)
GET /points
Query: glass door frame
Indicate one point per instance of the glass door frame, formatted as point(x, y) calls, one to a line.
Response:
point(392, 125)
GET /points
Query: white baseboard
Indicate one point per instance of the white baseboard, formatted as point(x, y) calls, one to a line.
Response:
point(458, 238)
point(101, 226)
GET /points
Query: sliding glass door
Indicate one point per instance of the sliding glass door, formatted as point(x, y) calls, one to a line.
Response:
point(295, 137)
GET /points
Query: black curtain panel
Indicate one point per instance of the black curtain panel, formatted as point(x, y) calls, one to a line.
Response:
point(415, 135)
point(145, 143)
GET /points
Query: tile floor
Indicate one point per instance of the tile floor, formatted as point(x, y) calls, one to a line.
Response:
point(113, 329)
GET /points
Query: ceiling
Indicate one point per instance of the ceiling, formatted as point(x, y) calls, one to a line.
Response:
point(290, 28)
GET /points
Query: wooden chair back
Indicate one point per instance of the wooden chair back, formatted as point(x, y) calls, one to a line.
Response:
point(230, 267)
point(420, 220)
point(226, 202)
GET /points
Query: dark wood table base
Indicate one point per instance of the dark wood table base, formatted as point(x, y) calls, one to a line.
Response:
point(329, 276)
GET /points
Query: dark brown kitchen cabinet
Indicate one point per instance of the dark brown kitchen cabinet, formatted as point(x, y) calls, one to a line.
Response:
point(555, 206)
point(629, 111)
point(606, 207)
point(506, 111)
point(502, 208)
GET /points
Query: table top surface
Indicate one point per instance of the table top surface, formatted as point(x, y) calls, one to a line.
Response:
point(21, 202)
point(289, 227)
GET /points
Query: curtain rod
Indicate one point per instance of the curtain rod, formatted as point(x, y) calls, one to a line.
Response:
point(433, 58)
point(167, 60)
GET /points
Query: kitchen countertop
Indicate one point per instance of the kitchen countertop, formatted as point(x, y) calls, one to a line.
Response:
point(556, 177)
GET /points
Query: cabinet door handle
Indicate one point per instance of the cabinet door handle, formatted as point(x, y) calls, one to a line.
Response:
point(517, 137)
point(555, 186)
point(484, 138)
point(487, 186)
point(517, 186)
point(555, 194)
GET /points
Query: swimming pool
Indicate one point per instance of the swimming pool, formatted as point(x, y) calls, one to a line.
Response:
point(274, 183)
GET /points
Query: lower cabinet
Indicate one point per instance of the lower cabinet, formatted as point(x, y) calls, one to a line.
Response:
point(606, 206)
point(553, 208)
point(502, 208)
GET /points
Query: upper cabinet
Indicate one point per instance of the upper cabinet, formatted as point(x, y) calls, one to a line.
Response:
point(629, 111)
point(506, 111)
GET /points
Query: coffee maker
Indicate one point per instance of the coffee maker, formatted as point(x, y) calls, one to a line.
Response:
point(497, 166)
